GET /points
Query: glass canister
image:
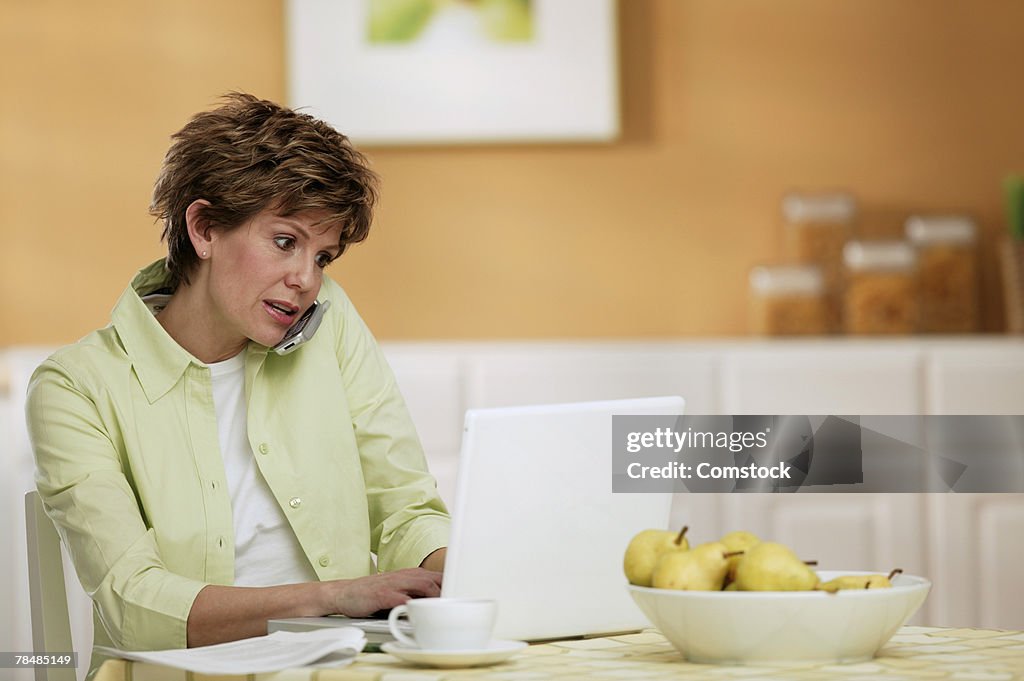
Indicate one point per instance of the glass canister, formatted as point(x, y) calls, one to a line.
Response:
point(817, 227)
point(788, 300)
point(881, 288)
point(947, 272)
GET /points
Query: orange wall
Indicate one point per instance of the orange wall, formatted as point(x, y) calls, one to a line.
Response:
point(915, 105)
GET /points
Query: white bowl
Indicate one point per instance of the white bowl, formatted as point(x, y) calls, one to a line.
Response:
point(751, 627)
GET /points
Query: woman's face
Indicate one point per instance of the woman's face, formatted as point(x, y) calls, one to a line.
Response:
point(264, 274)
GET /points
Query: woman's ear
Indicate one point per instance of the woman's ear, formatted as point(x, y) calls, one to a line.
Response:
point(199, 227)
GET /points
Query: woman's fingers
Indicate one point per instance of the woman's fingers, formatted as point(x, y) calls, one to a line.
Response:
point(366, 595)
point(416, 582)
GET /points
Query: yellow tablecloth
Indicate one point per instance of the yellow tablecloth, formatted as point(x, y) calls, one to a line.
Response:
point(914, 653)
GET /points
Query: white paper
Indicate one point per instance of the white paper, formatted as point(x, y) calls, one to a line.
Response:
point(334, 647)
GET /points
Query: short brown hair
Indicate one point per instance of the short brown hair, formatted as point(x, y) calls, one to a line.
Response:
point(251, 154)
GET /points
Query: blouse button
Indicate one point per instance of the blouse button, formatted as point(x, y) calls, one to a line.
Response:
point(295, 502)
point(264, 448)
point(324, 561)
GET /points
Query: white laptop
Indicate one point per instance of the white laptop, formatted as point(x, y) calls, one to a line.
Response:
point(535, 524)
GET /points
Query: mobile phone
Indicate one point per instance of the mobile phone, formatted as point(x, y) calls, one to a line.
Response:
point(302, 330)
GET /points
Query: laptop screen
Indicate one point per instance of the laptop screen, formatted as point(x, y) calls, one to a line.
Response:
point(535, 524)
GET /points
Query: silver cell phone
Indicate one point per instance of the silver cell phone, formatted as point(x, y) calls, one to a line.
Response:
point(302, 330)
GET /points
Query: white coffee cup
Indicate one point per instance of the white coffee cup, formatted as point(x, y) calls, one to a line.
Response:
point(446, 623)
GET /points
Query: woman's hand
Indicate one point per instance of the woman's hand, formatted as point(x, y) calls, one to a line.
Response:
point(228, 613)
point(366, 595)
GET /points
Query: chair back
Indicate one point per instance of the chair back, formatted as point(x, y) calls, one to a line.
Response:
point(51, 628)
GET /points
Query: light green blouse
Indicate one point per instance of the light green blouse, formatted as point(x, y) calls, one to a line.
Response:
point(128, 463)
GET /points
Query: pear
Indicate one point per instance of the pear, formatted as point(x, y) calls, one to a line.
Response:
point(644, 550)
point(700, 569)
point(738, 540)
point(769, 566)
point(859, 582)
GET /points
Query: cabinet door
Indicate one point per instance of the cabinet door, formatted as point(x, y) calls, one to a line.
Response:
point(976, 541)
point(851, 531)
point(840, 378)
point(976, 379)
point(840, 531)
point(547, 374)
point(976, 550)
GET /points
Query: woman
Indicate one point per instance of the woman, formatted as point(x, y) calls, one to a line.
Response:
point(201, 482)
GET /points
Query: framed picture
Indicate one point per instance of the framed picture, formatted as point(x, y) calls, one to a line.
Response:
point(456, 71)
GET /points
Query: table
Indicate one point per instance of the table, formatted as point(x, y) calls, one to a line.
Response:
point(913, 653)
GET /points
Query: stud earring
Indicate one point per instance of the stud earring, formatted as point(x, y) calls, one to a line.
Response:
point(203, 255)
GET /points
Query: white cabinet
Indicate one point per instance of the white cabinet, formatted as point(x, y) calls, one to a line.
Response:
point(966, 379)
point(975, 553)
point(841, 531)
point(572, 373)
point(971, 546)
point(812, 378)
point(976, 541)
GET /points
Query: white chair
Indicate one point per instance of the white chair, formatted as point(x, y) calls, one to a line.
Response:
point(51, 628)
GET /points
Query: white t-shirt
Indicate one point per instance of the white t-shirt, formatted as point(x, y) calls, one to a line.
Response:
point(266, 549)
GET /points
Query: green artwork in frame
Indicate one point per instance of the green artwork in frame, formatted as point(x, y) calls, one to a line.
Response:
point(410, 21)
point(412, 72)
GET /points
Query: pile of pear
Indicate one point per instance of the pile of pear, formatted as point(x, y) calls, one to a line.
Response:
point(739, 561)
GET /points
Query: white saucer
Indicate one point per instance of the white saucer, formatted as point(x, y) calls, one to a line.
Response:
point(495, 652)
